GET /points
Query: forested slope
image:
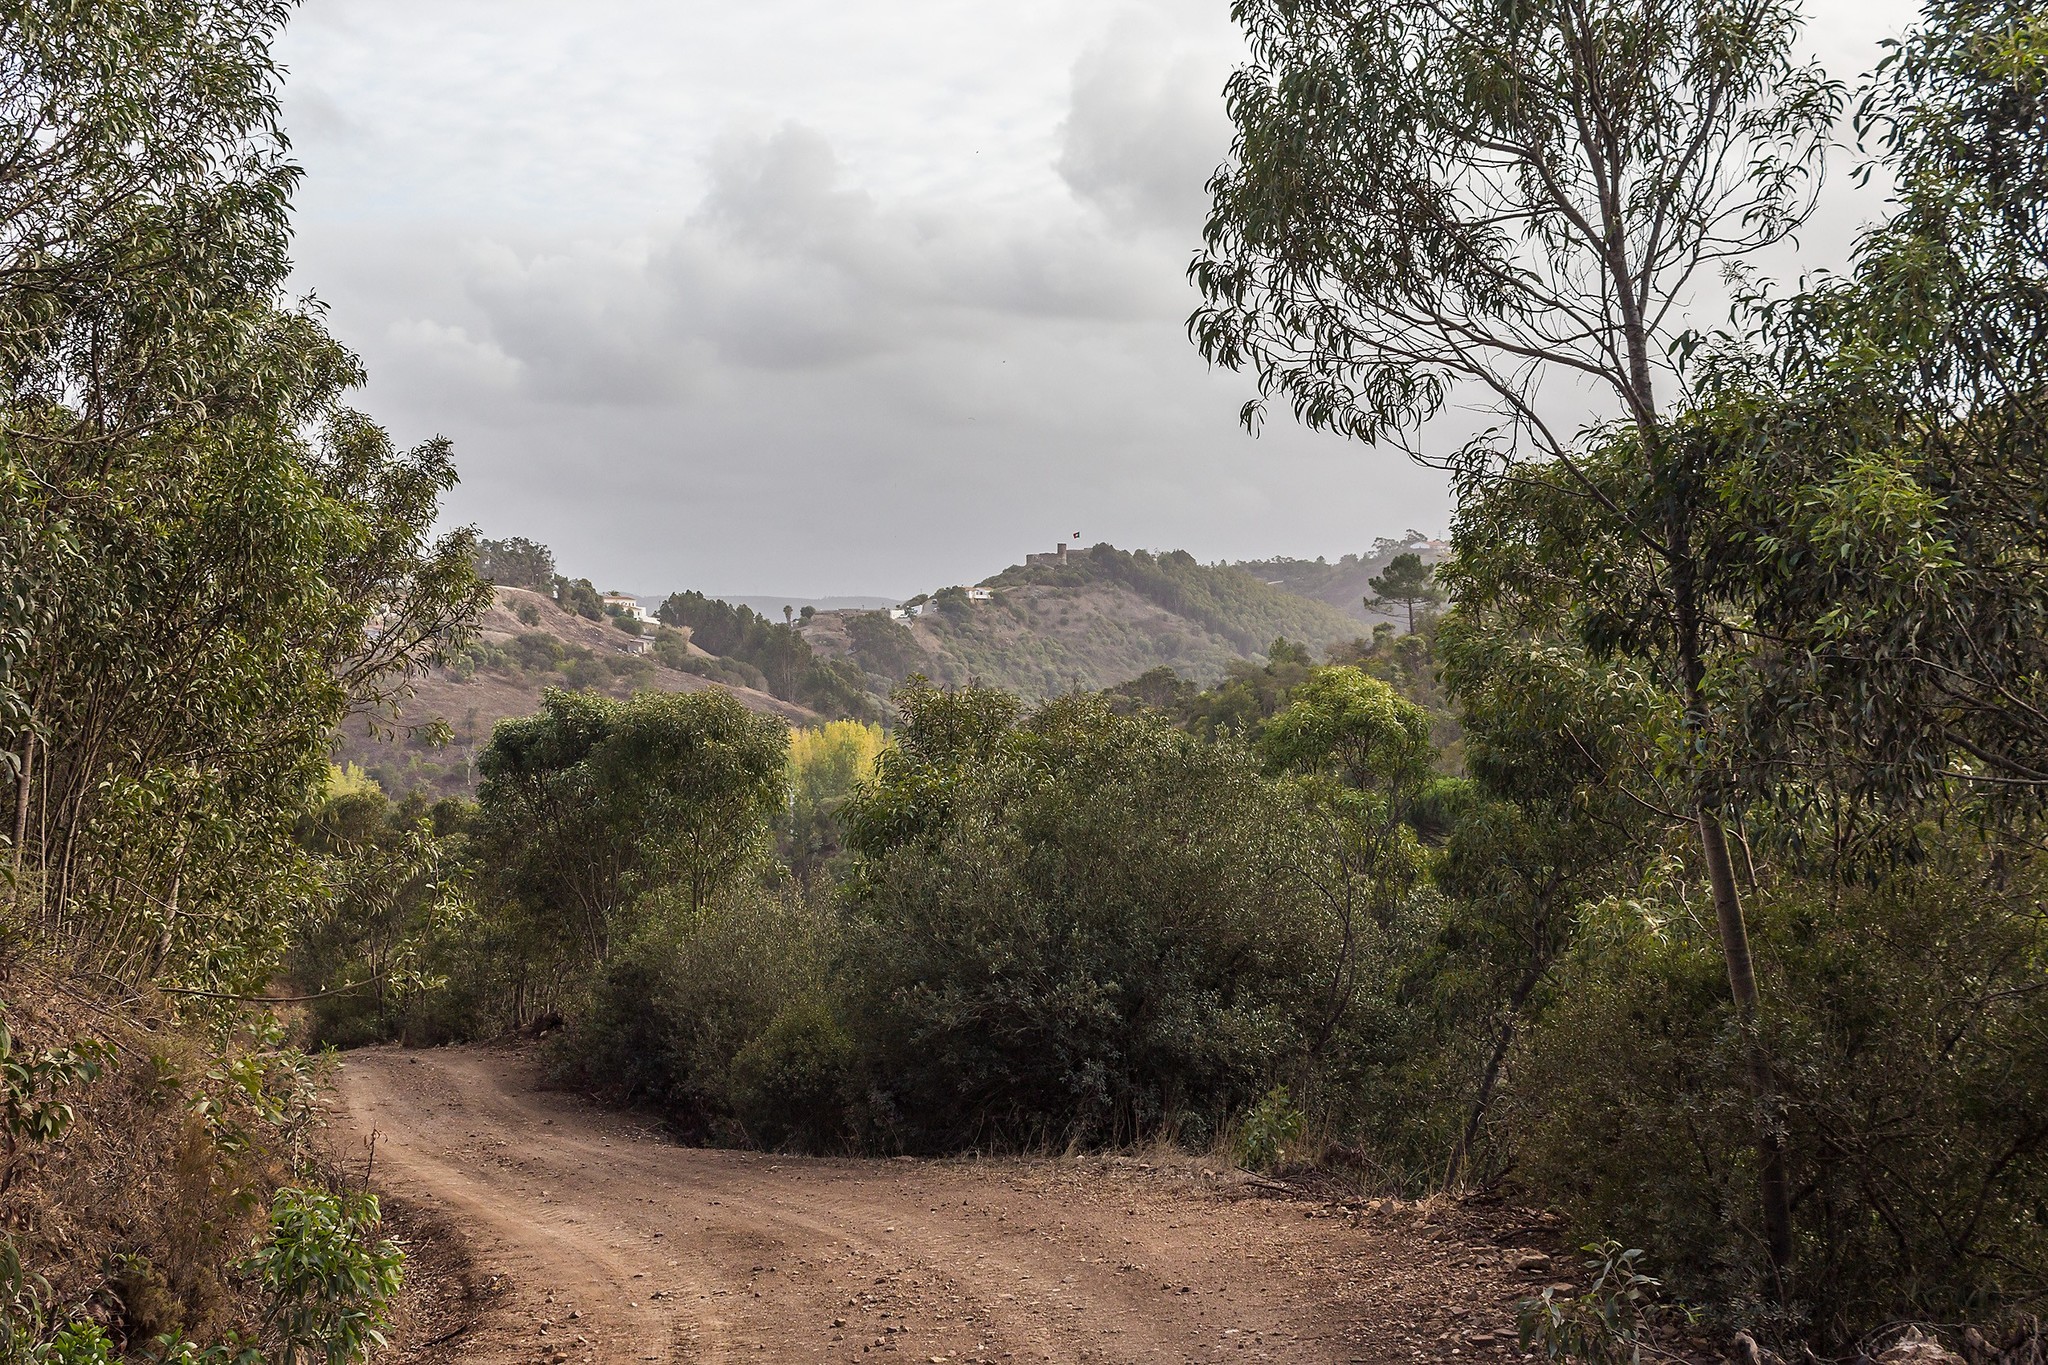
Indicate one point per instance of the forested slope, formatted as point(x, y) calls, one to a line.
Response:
point(1346, 584)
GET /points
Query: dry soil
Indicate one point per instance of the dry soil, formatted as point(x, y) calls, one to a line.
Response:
point(581, 1234)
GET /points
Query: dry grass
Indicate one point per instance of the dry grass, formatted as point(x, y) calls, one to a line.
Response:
point(138, 1213)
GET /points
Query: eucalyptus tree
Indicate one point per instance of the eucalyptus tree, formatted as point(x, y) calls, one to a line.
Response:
point(1883, 447)
point(208, 559)
point(1432, 198)
point(137, 141)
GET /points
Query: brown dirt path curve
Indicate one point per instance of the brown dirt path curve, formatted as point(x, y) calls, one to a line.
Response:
point(618, 1246)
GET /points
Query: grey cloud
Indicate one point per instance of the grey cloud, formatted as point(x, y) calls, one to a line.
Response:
point(1146, 129)
point(798, 383)
point(783, 268)
point(313, 114)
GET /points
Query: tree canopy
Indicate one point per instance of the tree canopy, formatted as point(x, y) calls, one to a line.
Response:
point(1406, 582)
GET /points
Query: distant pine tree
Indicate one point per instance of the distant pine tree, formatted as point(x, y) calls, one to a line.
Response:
point(1408, 582)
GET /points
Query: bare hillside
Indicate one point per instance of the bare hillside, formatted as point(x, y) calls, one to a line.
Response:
point(527, 644)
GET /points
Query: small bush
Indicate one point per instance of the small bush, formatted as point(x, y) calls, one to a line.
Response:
point(788, 1085)
point(1271, 1125)
point(329, 1280)
point(1606, 1323)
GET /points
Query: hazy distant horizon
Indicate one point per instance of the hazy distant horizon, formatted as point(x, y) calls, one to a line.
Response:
point(771, 604)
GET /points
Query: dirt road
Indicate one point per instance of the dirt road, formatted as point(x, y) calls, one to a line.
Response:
point(610, 1244)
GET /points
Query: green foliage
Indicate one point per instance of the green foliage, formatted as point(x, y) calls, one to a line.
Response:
point(1360, 134)
point(1225, 601)
point(209, 561)
point(780, 658)
point(591, 802)
point(671, 647)
point(29, 1083)
point(1350, 726)
point(217, 559)
point(1876, 443)
point(1604, 1324)
point(789, 1084)
point(394, 878)
point(715, 626)
point(516, 563)
point(329, 1281)
point(884, 647)
point(1268, 1128)
point(1908, 1024)
point(1074, 926)
point(78, 1344)
point(1248, 695)
point(579, 596)
point(1344, 583)
point(33, 1329)
point(1408, 583)
point(699, 987)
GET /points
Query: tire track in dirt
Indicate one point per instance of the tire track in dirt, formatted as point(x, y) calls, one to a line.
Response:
point(619, 1246)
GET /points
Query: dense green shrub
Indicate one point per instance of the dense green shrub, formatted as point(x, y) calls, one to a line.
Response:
point(672, 1011)
point(1080, 926)
point(1908, 1022)
point(789, 1085)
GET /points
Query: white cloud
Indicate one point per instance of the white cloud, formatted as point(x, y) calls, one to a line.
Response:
point(450, 353)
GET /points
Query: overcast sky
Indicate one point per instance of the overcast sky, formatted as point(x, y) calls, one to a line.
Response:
point(816, 296)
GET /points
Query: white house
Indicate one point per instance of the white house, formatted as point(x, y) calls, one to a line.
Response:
point(980, 595)
point(628, 606)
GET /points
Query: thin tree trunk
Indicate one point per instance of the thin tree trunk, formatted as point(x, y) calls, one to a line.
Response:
point(1774, 1188)
point(28, 772)
point(1491, 1077)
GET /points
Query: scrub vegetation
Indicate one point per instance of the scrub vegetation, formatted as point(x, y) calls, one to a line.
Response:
point(1675, 864)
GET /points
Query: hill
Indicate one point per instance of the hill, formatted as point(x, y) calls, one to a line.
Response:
point(527, 643)
point(1346, 583)
point(1091, 619)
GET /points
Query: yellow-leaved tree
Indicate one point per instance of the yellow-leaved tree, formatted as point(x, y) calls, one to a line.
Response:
point(825, 765)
